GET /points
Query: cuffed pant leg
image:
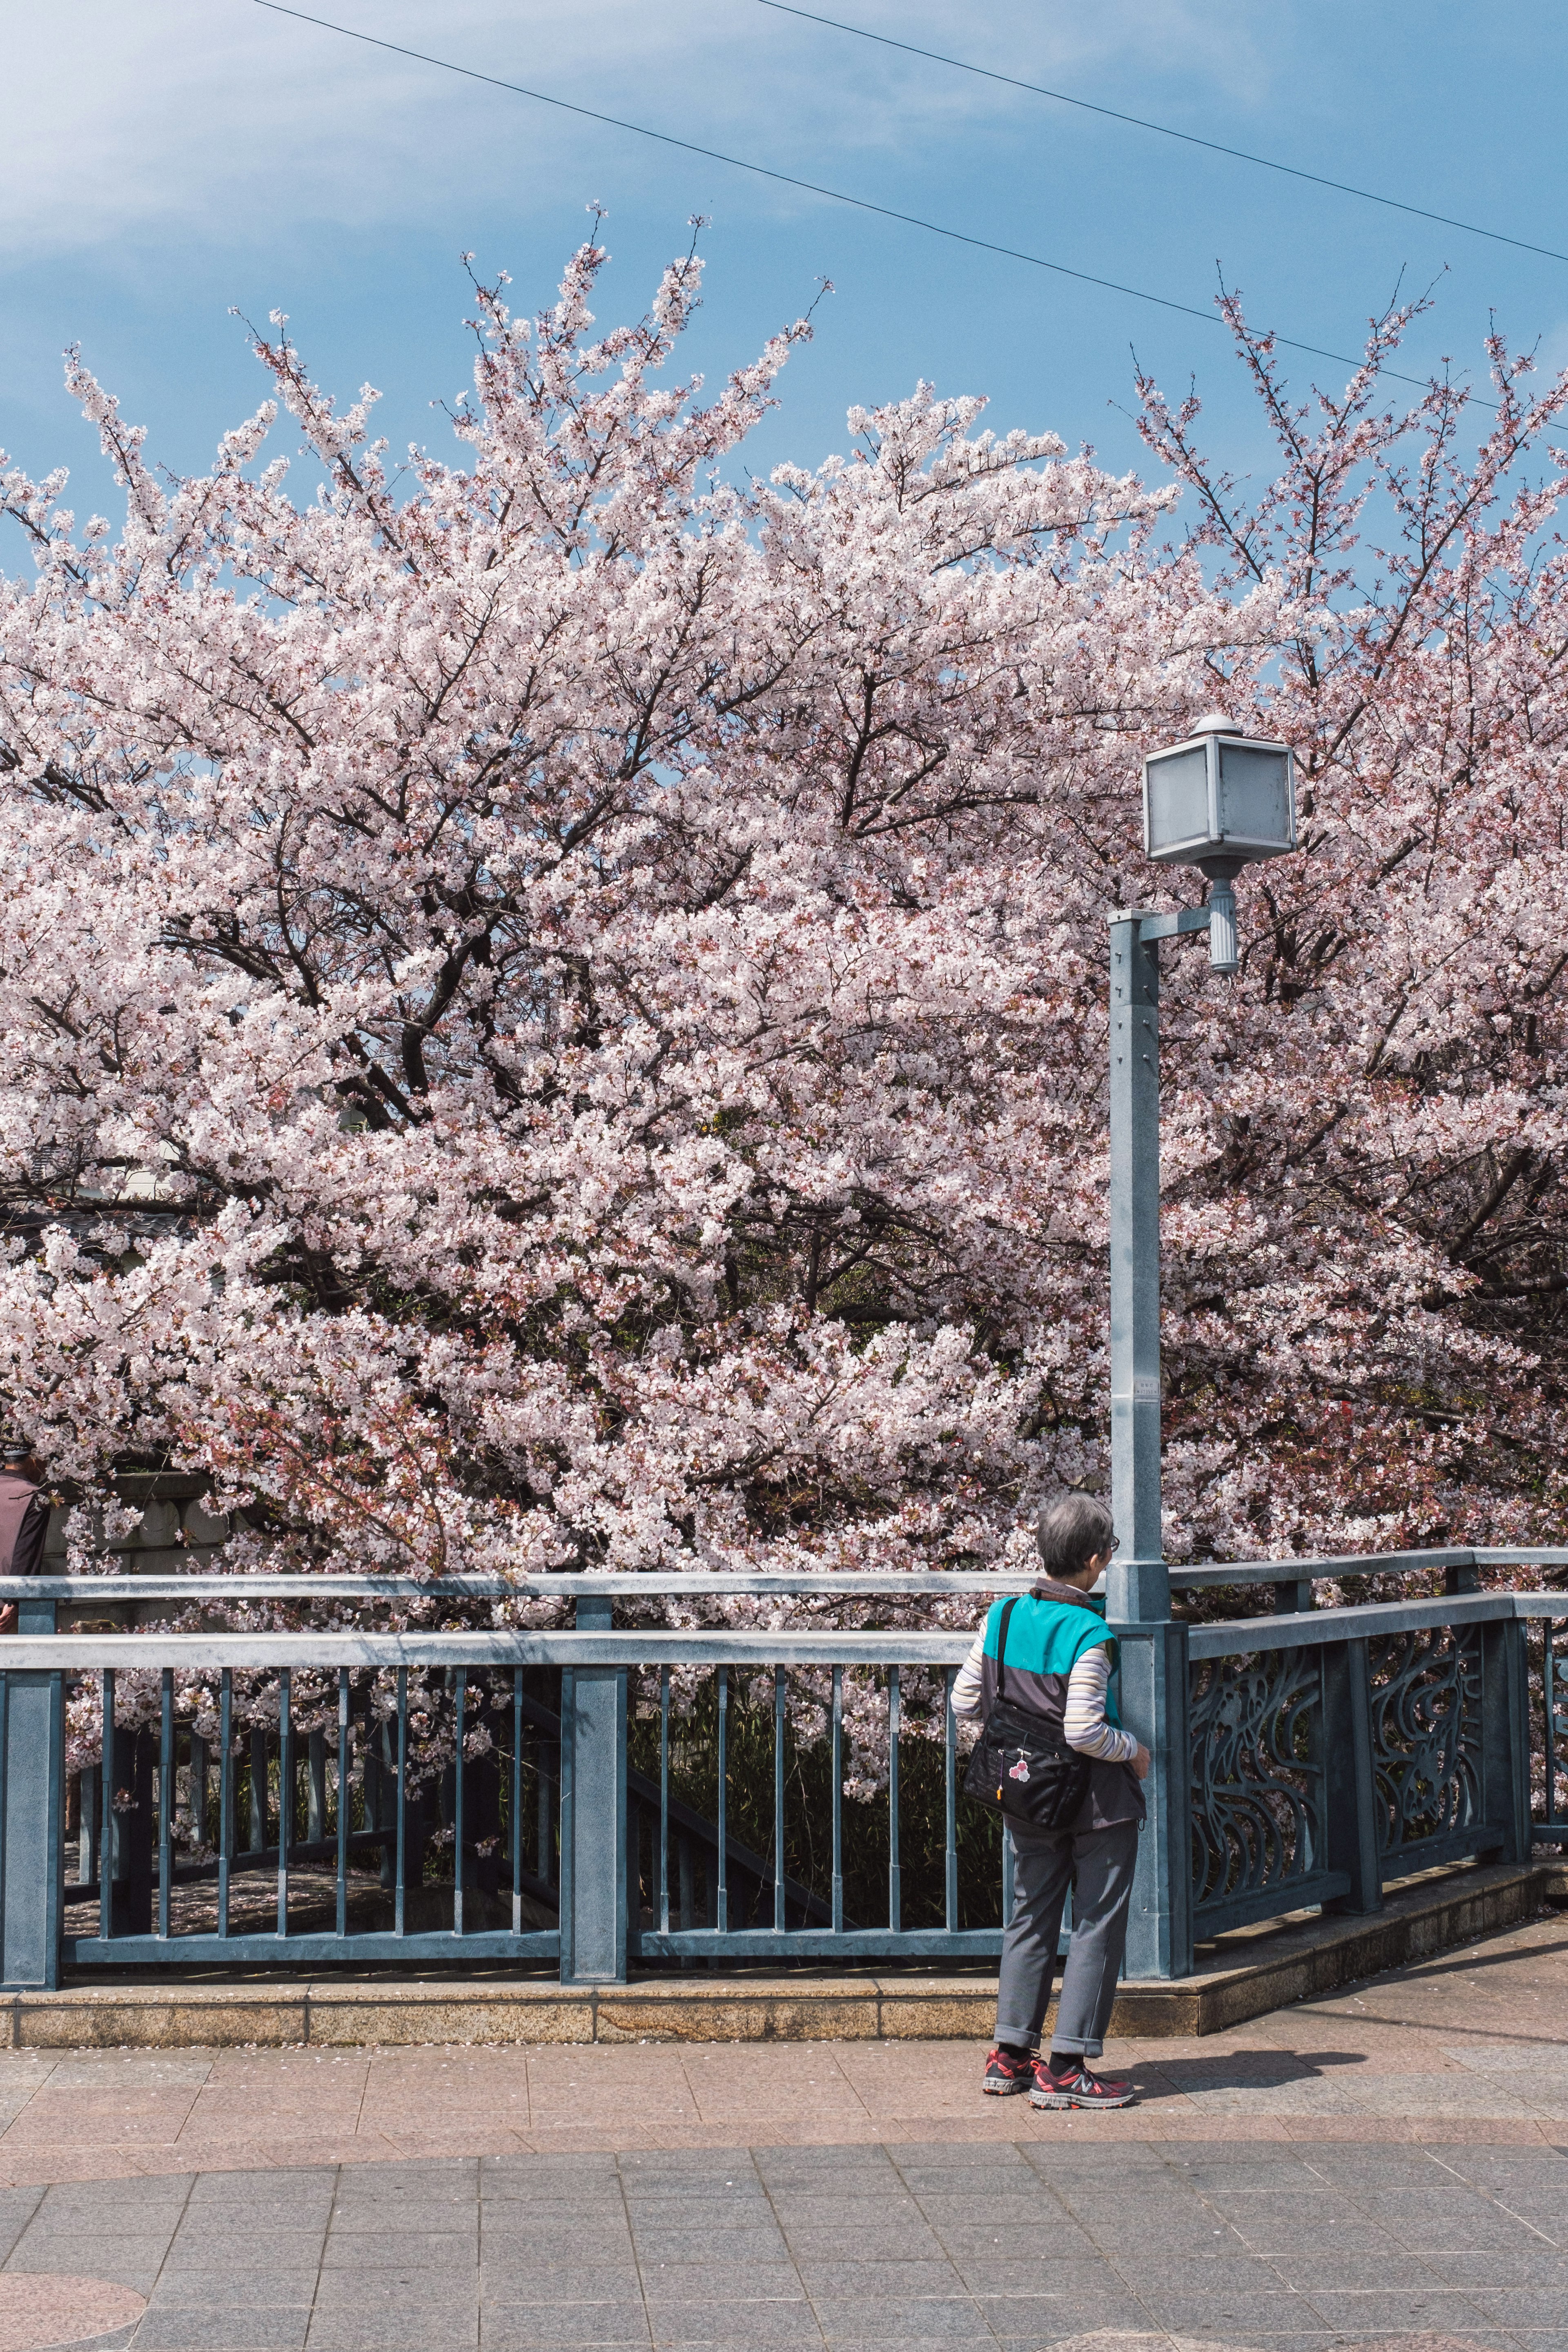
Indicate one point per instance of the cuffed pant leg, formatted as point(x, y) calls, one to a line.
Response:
point(1103, 1862)
point(1042, 1873)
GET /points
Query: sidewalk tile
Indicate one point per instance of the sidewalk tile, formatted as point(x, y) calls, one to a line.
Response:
point(525, 2325)
point(222, 2329)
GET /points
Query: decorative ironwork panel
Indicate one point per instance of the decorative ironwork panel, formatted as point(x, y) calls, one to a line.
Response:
point(1426, 1733)
point(1554, 1695)
point(1257, 1780)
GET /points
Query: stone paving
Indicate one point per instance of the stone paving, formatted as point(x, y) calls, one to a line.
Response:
point(1380, 2169)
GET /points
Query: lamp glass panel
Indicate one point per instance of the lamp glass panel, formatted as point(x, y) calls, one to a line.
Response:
point(1255, 794)
point(1178, 798)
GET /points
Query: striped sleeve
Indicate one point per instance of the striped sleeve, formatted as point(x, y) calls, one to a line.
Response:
point(967, 1688)
point(1084, 1725)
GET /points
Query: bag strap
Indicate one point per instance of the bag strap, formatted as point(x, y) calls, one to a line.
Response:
point(1008, 1608)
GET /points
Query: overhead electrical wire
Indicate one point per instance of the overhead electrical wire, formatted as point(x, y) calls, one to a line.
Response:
point(1163, 130)
point(814, 187)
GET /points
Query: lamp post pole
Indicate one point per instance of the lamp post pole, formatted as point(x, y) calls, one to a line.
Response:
point(1219, 801)
point(1138, 1586)
point(1153, 1649)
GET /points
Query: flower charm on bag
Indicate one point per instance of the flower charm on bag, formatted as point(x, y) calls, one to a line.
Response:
point(1020, 1770)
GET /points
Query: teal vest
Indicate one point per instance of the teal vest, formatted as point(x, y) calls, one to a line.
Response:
point(1048, 1637)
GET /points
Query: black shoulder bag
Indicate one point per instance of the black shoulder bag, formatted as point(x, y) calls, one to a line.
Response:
point(1021, 1766)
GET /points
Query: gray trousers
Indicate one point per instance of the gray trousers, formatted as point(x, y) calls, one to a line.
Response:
point(1098, 1865)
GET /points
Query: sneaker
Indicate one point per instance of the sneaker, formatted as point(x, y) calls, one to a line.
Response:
point(1004, 2074)
point(1081, 2088)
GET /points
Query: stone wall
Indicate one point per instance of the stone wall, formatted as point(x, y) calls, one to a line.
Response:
point(175, 1536)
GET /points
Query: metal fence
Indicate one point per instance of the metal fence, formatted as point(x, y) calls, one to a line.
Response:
point(1302, 1759)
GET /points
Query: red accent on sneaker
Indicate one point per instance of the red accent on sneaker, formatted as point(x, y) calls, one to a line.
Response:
point(1075, 2085)
point(1004, 2075)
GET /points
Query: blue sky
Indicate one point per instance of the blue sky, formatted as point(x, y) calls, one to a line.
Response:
point(182, 156)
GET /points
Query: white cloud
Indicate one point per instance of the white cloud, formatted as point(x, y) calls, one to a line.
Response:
point(216, 118)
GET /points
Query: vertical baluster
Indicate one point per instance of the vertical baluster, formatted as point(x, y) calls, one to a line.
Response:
point(259, 1807)
point(950, 1748)
point(895, 1889)
point(165, 1794)
point(196, 1789)
point(316, 1787)
point(225, 1796)
point(346, 1796)
point(544, 1842)
point(516, 1823)
point(838, 1801)
point(107, 1857)
point(664, 1801)
point(285, 1791)
point(370, 1772)
point(88, 1837)
point(723, 1902)
point(459, 1728)
point(1007, 1875)
point(398, 1926)
point(634, 1867)
point(780, 1921)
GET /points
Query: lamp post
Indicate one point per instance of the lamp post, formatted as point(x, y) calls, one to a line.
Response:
point(1218, 801)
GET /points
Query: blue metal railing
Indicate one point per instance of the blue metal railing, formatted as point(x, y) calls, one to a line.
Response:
point(1302, 1758)
point(391, 1826)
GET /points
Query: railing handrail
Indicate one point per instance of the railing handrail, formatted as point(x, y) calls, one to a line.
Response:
point(1318, 1570)
point(1237, 1636)
point(1322, 1568)
point(116, 1586)
point(513, 1646)
point(711, 1646)
point(718, 1586)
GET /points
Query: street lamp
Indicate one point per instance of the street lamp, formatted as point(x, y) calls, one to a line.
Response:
point(1219, 801)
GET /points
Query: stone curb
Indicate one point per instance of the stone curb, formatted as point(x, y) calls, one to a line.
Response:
point(1247, 1975)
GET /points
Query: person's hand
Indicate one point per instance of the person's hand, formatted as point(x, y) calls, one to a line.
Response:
point(1140, 1762)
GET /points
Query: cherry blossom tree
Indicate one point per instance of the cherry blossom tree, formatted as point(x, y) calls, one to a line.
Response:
point(1365, 1220)
point(553, 1004)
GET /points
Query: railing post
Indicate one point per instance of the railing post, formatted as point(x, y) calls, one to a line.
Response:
point(1350, 1791)
point(593, 1793)
point(1505, 1737)
point(1151, 1699)
point(32, 1817)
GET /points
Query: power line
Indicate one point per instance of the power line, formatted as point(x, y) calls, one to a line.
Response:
point(814, 188)
point(1188, 138)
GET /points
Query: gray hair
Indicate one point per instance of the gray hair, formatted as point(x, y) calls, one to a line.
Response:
point(1072, 1531)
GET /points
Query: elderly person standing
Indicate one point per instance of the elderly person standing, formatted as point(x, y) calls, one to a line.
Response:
point(1059, 1659)
point(24, 1519)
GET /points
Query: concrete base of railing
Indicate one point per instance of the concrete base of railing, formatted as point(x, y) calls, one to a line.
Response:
point(1242, 1975)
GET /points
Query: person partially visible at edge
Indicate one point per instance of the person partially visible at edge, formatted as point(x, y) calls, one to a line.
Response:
point(1060, 1662)
point(24, 1519)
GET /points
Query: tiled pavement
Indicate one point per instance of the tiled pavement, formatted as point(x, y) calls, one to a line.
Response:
point(915, 2247)
point(1383, 2165)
